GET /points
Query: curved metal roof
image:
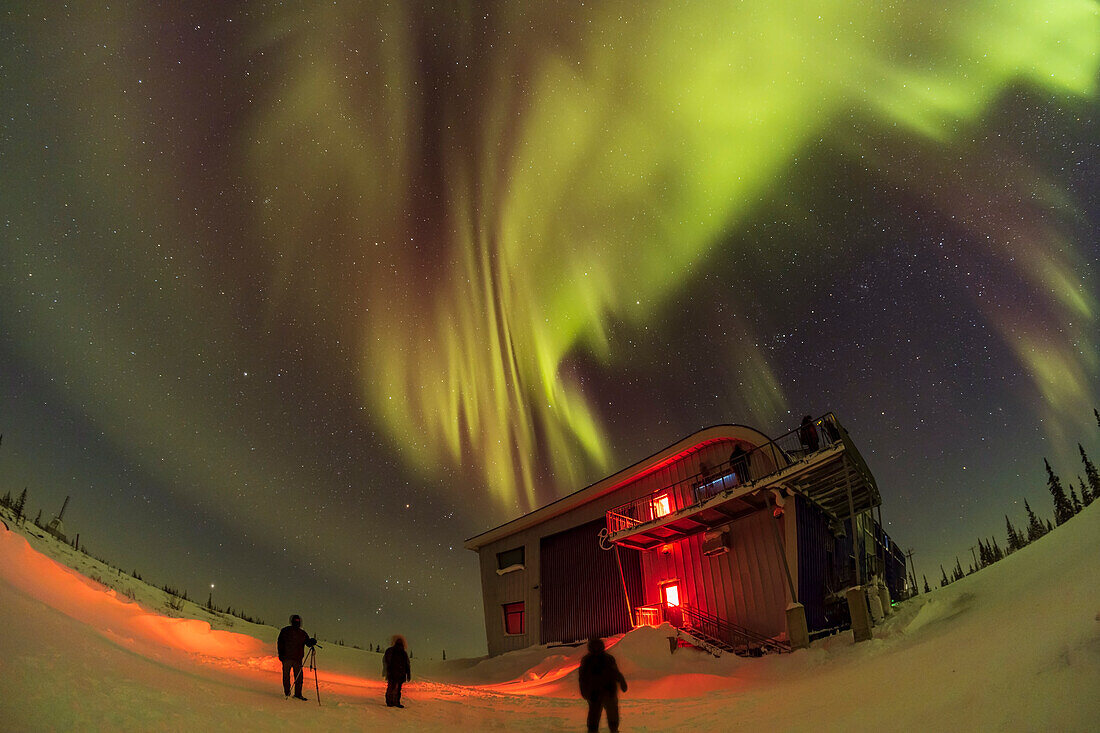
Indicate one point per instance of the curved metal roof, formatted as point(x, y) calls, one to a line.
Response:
point(660, 459)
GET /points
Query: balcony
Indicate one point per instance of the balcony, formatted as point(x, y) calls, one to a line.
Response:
point(822, 464)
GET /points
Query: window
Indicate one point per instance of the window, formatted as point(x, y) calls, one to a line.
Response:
point(513, 618)
point(671, 593)
point(662, 506)
point(511, 559)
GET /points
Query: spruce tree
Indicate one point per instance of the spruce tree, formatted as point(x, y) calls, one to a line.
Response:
point(943, 581)
point(958, 569)
point(20, 503)
point(1094, 412)
point(1086, 497)
point(6, 501)
point(1050, 527)
point(1091, 475)
point(1035, 528)
point(1074, 500)
point(927, 588)
point(1063, 509)
point(997, 554)
point(1015, 541)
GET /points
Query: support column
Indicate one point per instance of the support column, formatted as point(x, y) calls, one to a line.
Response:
point(852, 526)
point(857, 607)
point(797, 629)
point(874, 602)
point(884, 599)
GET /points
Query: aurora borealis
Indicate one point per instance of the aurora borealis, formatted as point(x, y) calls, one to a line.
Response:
point(296, 299)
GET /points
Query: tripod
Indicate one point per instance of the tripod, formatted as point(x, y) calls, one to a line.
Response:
point(311, 661)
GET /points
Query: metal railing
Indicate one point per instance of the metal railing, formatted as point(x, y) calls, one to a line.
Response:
point(739, 639)
point(716, 632)
point(742, 468)
point(653, 615)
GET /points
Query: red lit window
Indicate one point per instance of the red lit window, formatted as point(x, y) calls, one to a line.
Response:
point(672, 594)
point(662, 506)
point(513, 618)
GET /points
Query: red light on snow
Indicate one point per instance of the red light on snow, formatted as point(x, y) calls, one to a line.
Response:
point(175, 642)
point(662, 506)
point(672, 595)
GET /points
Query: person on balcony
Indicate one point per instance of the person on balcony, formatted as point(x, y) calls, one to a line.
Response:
point(600, 681)
point(807, 433)
point(739, 462)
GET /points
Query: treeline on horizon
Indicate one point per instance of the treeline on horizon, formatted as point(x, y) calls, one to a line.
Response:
point(16, 507)
point(1065, 507)
point(176, 598)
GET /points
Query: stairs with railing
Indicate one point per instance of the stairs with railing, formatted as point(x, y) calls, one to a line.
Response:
point(728, 637)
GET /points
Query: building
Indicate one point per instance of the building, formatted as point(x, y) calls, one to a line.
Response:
point(717, 534)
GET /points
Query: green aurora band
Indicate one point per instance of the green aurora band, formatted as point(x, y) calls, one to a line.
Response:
point(588, 177)
point(583, 165)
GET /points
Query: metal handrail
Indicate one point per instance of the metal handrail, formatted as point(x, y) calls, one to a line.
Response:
point(652, 615)
point(745, 469)
point(729, 632)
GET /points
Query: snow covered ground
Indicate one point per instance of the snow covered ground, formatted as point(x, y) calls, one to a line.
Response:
point(1014, 647)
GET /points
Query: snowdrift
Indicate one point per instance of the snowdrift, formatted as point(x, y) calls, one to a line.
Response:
point(1013, 647)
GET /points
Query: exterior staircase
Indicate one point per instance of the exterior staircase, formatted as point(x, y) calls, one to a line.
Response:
point(718, 634)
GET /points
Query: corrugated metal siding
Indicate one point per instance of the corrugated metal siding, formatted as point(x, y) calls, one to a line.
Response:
point(509, 588)
point(582, 591)
point(746, 585)
point(814, 539)
point(631, 563)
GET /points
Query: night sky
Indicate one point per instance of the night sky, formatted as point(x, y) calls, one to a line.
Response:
point(295, 298)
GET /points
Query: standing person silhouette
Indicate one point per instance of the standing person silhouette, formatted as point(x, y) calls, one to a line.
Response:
point(397, 671)
point(739, 461)
point(292, 645)
point(807, 433)
point(600, 681)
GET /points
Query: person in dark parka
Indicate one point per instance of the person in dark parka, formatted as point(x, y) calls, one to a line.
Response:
point(807, 433)
point(600, 680)
point(739, 462)
point(397, 671)
point(292, 645)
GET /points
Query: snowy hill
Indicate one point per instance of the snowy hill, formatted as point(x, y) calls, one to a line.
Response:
point(1014, 647)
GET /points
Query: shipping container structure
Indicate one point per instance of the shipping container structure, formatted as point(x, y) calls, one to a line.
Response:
point(716, 534)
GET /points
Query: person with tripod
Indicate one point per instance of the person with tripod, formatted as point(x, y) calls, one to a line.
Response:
point(397, 671)
point(292, 644)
